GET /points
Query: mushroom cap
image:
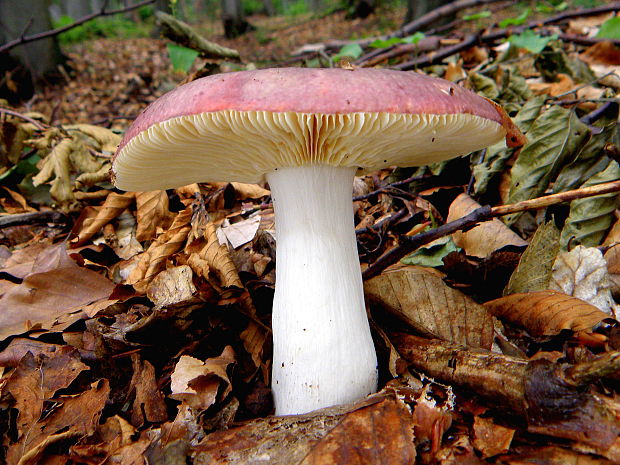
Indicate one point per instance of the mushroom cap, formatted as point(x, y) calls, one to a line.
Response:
point(240, 126)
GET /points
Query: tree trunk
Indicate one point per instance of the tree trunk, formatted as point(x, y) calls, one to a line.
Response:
point(234, 20)
point(361, 8)
point(269, 8)
point(417, 8)
point(26, 64)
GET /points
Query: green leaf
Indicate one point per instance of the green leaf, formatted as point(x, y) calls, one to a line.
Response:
point(412, 39)
point(350, 50)
point(555, 136)
point(24, 167)
point(591, 159)
point(483, 85)
point(480, 15)
point(536, 264)
point(518, 21)
point(610, 29)
point(531, 41)
point(432, 254)
point(497, 155)
point(182, 58)
point(590, 218)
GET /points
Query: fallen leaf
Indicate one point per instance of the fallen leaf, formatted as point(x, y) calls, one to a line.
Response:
point(198, 383)
point(379, 433)
point(534, 270)
point(546, 313)
point(152, 213)
point(490, 438)
point(19, 347)
point(419, 297)
point(485, 238)
point(430, 423)
point(61, 288)
point(154, 259)
point(148, 404)
point(113, 206)
point(582, 273)
point(171, 286)
point(241, 232)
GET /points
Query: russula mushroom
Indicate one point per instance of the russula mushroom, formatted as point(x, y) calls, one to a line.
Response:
point(307, 132)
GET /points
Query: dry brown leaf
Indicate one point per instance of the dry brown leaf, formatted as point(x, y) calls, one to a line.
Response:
point(76, 417)
point(148, 404)
point(25, 261)
point(419, 297)
point(612, 257)
point(152, 213)
point(198, 383)
point(602, 53)
point(20, 203)
point(32, 384)
point(490, 438)
point(551, 455)
point(18, 347)
point(171, 286)
point(113, 206)
point(431, 422)
point(546, 313)
point(154, 259)
point(379, 431)
point(44, 297)
point(213, 257)
point(254, 338)
point(485, 238)
point(249, 191)
point(564, 85)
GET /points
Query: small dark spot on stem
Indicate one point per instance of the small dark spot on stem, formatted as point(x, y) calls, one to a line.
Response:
point(451, 90)
point(432, 139)
point(282, 364)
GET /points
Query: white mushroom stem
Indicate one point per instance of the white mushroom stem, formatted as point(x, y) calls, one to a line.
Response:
point(323, 350)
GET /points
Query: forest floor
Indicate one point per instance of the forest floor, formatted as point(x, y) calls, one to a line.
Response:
point(495, 327)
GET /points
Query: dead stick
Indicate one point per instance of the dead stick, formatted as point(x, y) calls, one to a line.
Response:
point(44, 35)
point(409, 244)
point(584, 373)
point(42, 217)
point(37, 124)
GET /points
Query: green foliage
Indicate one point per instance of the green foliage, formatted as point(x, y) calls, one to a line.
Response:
point(591, 217)
point(412, 39)
point(551, 6)
point(556, 135)
point(290, 7)
point(517, 21)
point(536, 264)
point(610, 29)
point(113, 26)
point(432, 254)
point(480, 15)
point(350, 50)
point(182, 58)
point(251, 7)
point(531, 41)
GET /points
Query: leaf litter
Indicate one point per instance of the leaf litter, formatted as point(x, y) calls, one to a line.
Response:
point(139, 332)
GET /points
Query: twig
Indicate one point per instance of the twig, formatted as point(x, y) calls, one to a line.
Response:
point(409, 244)
point(584, 373)
point(383, 223)
point(37, 124)
point(393, 185)
point(53, 32)
point(42, 217)
point(583, 86)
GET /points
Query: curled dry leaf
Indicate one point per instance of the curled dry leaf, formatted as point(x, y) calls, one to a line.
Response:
point(546, 313)
point(208, 255)
point(56, 287)
point(430, 423)
point(198, 383)
point(154, 259)
point(485, 238)
point(582, 273)
point(419, 297)
point(380, 431)
point(113, 206)
point(152, 213)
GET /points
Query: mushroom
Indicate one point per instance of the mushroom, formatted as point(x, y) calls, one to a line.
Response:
point(307, 132)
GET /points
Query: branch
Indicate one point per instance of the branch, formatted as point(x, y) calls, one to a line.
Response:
point(42, 217)
point(36, 124)
point(410, 243)
point(44, 35)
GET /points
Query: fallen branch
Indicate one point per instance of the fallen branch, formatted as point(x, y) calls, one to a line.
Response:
point(183, 34)
point(23, 39)
point(410, 243)
point(42, 217)
point(34, 122)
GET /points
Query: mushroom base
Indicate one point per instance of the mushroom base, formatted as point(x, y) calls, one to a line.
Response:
point(323, 351)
